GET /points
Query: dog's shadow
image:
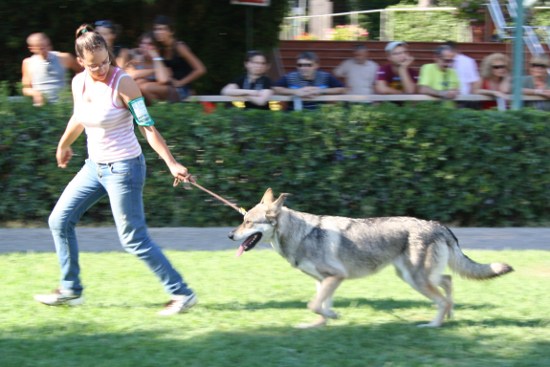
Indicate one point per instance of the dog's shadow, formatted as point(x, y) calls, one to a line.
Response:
point(342, 303)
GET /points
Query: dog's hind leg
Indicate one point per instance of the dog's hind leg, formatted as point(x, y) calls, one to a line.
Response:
point(447, 284)
point(444, 307)
point(428, 285)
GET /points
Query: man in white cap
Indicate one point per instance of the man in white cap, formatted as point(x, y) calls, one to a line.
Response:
point(397, 77)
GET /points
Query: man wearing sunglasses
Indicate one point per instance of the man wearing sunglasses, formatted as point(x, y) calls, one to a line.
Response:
point(307, 82)
point(440, 79)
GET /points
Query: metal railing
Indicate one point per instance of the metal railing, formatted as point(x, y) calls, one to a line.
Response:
point(294, 27)
point(352, 98)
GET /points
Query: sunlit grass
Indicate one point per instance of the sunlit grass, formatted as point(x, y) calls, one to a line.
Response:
point(248, 308)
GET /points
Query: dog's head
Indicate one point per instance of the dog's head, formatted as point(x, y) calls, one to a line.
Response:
point(258, 222)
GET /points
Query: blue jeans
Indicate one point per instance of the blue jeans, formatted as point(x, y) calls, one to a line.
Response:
point(123, 182)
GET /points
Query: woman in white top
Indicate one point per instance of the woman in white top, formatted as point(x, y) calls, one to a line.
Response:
point(106, 102)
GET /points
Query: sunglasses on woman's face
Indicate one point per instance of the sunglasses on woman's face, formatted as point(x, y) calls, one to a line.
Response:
point(538, 65)
point(499, 66)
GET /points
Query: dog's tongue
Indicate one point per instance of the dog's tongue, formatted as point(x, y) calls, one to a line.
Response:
point(240, 251)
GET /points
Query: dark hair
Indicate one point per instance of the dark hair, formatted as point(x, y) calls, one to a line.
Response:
point(163, 20)
point(451, 44)
point(89, 40)
point(104, 23)
point(360, 47)
point(308, 55)
point(150, 35)
point(440, 49)
point(253, 53)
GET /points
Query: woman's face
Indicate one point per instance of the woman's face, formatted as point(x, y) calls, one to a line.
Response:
point(499, 68)
point(256, 65)
point(97, 63)
point(145, 45)
point(538, 70)
point(162, 33)
point(107, 34)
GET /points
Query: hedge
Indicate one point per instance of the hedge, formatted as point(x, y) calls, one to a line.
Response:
point(460, 166)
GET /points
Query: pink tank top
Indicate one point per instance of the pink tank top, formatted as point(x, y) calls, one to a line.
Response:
point(109, 127)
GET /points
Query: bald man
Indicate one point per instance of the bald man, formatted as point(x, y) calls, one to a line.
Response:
point(44, 71)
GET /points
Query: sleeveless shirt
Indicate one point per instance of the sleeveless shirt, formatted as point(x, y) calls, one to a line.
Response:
point(109, 127)
point(48, 76)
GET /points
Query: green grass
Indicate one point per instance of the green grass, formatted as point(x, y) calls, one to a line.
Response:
point(248, 308)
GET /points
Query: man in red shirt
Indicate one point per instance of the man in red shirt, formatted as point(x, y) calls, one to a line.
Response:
point(397, 77)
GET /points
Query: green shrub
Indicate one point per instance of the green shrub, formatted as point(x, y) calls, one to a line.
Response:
point(460, 166)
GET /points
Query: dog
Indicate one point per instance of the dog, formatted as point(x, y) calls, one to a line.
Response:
point(332, 249)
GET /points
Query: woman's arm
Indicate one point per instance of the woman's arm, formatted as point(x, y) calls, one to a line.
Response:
point(64, 152)
point(128, 91)
point(198, 68)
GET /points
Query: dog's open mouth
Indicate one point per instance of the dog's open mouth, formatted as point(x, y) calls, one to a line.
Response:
point(249, 243)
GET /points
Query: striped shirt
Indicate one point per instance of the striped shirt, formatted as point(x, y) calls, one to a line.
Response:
point(109, 126)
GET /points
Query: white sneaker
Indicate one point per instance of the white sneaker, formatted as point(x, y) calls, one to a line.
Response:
point(60, 298)
point(179, 304)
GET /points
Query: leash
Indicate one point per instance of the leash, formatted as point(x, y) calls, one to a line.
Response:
point(241, 210)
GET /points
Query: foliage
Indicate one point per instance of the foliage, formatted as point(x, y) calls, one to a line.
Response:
point(215, 30)
point(349, 33)
point(248, 308)
point(463, 166)
point(428, 26)
point(470, 10)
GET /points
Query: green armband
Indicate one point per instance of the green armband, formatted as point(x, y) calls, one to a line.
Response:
point(139, 111)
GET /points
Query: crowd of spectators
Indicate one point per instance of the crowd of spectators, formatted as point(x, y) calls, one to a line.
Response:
point(165, 67)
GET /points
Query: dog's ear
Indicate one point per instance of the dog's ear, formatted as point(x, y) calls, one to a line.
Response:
point(268, 197)
point(275, 208)
point(277, 204)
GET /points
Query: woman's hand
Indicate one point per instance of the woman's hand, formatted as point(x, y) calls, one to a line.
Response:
point(180, 173)
point(63, 156)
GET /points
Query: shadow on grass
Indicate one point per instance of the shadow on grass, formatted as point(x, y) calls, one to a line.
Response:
point(377, 304)
point(391, 343)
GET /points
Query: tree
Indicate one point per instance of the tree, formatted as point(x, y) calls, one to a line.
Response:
point(214, 29)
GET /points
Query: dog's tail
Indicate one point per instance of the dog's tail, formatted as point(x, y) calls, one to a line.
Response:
point(470, 269)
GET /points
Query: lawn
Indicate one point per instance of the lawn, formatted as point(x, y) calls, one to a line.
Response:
point(248, 308)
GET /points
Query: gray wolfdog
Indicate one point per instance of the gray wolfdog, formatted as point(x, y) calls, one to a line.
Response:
point(331, 249)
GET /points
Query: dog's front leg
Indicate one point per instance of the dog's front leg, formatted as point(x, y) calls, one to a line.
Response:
point(322, 302)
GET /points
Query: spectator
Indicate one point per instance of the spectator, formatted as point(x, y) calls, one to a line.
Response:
point(44, 73)
point(537, 83)
point(185, 66)
point(110, 31)
point(397, 77)
point(466, 69)
point(148, 70)
point(495, 80)
point(308, 82)
point(440, 79)
point(254, 85)
point(359, 72)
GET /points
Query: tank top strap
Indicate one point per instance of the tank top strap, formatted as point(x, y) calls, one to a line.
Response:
point(115, 82)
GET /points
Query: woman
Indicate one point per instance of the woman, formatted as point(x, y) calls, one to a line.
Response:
point(185, 66)
point(254, 85)
point(148, 69)
point(107, 101)
point(109, 31)
point(537, 83)
point(495, 79)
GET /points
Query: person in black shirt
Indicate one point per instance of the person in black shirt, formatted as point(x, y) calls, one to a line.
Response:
point(253, 85)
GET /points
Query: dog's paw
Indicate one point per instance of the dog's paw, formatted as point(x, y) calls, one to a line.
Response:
point(430, 324)
point(330, 314)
